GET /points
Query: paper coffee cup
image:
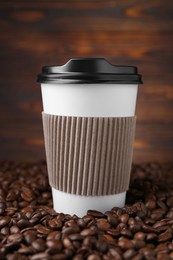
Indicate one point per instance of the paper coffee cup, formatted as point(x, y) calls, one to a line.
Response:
point(89, 126)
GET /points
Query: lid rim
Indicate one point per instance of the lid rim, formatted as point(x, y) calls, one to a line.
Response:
point(90, 70)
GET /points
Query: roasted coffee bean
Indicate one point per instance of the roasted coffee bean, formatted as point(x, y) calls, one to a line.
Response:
point(115, 253)
point(93, 257)
point(40, 256)
point(54, 235)
point(95, 213)
point(159, 224)
point(29, 236)
point(125, 243)
point(55, 223)
point(15, 238)
point(113, 220)
point(23, 223)
point(42, 229)
point(148, 253)
point(5, 230)
point(67, 243)
point(71, 230)
point(124, 218)
point(87, 232)
point(148, 229)
point(129, 253)
point(139, 235)
point(134, 228)
point(14, 229)
point(78, 257)
point(164, 237)
point(39, 245)
point(75, 236)
point(4, 221)
point(151, 237)
point(169, 202)
point(138, 243)
point(138, 257)
point(81, 223)
point(27, 250)
point(114, 233)
point(102, 224)
point(102, 245)
point(151, 204)
point(60, 256)
point(171, 255)
point(27, 194)
point(157, 214)
point(127, 233)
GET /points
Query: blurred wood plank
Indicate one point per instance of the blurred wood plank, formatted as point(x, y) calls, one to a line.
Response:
point(87, 15)
point(131, 32)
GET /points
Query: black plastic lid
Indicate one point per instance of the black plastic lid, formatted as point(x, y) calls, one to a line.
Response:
point(89, 70)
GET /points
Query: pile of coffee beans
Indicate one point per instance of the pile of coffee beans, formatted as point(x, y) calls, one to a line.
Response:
point(31, 229)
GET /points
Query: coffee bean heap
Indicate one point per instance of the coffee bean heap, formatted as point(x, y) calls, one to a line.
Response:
point(31, 229)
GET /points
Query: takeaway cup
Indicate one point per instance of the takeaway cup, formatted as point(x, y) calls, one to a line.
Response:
point(89, 126)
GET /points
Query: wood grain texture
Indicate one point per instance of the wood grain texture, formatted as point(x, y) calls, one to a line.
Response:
point(37, 33)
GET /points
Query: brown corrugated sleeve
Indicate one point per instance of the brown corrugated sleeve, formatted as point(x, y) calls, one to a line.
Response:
point(89, 156)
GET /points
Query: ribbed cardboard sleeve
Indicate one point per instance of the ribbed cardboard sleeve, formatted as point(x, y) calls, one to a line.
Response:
point(89, 155)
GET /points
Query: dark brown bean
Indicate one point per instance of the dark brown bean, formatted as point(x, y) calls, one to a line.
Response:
point(5, 230)
point(23, 223)
point(54, 235)
point(103, 224)
point(87, 232)
point(26, 250)
point(151, 204)
point(138, 243)
point(102, 245)
point(93, 257)
point(60, 256)
point(115, 253)
point(135, 227)
point(169, 202)
point(127, 233)
point(55, 223)
point(125, 243)
point(14, 229)
point(113, 220)
point(4, 221)
point(42, 229)
point(29, 236)
point(27, 194)
point(75, 236)
point(71, 230)
point(138, 257)
point(129, 253)
point(67, 243)
point(40, 256)
point(140, 235)
point(95, 213)
point(151, 237)
point(147, 252)
point(164, 237)
point(55, 246)
point(157, 214)
point(39, 245)
point(15, 238)
point(124, 218)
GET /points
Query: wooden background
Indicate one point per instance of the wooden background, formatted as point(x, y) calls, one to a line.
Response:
point(37, 33)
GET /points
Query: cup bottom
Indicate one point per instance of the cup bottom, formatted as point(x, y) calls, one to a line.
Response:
point(78, 205)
